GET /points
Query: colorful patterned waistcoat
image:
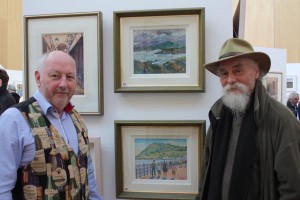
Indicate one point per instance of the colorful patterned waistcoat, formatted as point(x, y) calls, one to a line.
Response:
point(55, 172)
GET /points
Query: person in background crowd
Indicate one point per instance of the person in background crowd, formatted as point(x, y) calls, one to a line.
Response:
point(153, 169)
point(292, 102)
point(6, 99)
point(44, 141)
point(12, 90)
point(252, 145)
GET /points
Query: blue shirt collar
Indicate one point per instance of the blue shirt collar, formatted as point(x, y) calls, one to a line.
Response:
point(46, 107)
point(44, 104)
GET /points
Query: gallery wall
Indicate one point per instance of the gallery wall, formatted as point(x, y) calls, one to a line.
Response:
point(143, 106)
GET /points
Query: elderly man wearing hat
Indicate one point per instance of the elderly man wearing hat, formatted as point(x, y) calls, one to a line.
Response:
point(6, 99)
point(252, 148)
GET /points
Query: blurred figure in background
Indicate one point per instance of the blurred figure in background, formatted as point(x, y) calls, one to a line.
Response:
point(292, 102)
point(6, 99)
point(12, 90)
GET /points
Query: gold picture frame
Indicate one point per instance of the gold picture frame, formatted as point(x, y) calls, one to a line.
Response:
point(175, 147)
point(80, 35)
point(95, 151)
point(159, 50)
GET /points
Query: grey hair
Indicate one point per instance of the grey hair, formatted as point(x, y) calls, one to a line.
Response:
point(293, 95)
point(43, 59)
point(11, 87)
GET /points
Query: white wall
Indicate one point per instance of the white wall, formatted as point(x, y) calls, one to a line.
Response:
point(15, 76)
point(154, 106)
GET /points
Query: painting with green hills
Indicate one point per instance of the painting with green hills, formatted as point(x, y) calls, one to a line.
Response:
point(159, 51)
point(159, 158)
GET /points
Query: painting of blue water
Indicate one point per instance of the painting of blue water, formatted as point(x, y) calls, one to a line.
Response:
point(159, 51)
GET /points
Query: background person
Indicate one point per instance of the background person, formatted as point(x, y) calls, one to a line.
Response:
point(252, 145)
point(12, 90)
point(6, 99)
point(44, 139)
point(292, 102)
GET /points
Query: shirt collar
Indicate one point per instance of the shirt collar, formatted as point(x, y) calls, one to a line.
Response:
point(45, 105)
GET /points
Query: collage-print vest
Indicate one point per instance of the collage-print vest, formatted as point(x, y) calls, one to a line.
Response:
point(55, 172)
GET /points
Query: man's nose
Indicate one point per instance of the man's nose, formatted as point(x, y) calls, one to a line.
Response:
point(231, 78)
point(63, 82)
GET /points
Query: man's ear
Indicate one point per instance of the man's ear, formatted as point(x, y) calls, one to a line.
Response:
point(37, 78)
point(0, 82)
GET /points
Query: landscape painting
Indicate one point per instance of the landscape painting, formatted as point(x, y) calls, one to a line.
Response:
point(159, 51)
point(161, 158)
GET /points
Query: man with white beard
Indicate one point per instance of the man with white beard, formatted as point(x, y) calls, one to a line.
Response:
point(252, 148)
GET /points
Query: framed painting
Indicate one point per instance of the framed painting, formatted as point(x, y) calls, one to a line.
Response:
point(158, 159)
point(78, 34)
point(291, 83)
point(273, 83)
point(95, 151)
point(159, 50)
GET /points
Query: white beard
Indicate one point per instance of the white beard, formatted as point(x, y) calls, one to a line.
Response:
point(238, 103)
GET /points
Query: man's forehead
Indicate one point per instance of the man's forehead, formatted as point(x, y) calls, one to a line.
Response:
point(60, 70)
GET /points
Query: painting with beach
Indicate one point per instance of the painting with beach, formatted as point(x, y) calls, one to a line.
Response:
point(161, 158)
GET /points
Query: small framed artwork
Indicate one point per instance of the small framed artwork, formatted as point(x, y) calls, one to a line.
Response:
point(273, 83)
point(78, 34)
point(291, 83)
point(158, 159)
point(95, 151)
point(159, 50)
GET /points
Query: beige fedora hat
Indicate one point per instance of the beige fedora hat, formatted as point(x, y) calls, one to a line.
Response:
point(234, 48)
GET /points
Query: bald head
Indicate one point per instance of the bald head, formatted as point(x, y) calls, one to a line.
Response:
point(56, 78)
point(50, 55)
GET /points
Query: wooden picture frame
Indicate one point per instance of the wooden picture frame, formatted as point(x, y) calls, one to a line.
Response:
point(95, 151)
point(175, 147)
point(159, 50)
point(273, 83)
point(291, 83)
point(80, 35)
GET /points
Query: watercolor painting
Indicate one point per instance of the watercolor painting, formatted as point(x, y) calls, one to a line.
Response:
point(159, 51)
point(161, 158)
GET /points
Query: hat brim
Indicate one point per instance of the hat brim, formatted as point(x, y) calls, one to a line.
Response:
point(261, 58)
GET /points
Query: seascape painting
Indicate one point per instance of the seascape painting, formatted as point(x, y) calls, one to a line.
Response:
point(159, 51)
point(161, 159)
point(71, 43)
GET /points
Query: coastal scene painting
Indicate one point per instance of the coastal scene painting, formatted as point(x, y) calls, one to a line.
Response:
point(159, 51)
point(161, 158)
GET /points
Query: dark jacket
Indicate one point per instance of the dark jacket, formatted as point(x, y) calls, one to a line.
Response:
point(278, 143)
point(292, 108)
point(6, 99)
point(16, 96)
